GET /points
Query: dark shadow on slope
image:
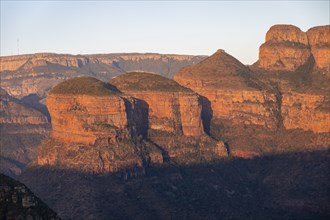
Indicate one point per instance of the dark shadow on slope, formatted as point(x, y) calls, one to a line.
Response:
point(207, 113)
point(284, 186)
point(33, 101)
point(137, 111)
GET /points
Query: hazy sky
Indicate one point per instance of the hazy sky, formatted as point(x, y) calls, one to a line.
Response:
point(179, 27)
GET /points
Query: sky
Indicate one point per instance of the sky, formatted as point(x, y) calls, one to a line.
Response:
point(172, 27)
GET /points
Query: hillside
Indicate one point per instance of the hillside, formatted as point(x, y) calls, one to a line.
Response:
point(18, 202)
point(22, 128)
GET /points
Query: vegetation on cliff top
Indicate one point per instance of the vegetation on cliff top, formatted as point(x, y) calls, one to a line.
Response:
point(142, 81)
point(85, 86)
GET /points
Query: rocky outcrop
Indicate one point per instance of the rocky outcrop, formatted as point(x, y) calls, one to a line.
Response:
point(287, 48)
point(171, 107)
point(229, 91)
point(91, 130)
point(82, 115)
point(319, 41)
point(150, 119)
point(24, 76)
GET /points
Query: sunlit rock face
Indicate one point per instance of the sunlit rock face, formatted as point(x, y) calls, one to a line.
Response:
point(319, 41)
point(171, 107)
point(286, 49)
point(83, 109)
point(229, 91)
point(101, 127)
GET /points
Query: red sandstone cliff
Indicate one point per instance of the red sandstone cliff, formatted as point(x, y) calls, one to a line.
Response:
point(287, 48)
point(319, 41)
point(98, 128)
point(172, 108)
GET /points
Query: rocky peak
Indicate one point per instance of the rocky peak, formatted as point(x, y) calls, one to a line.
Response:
point(319, 36)
point(319, 40)
point(286, 33)
point(218, 70)
point(287, 48)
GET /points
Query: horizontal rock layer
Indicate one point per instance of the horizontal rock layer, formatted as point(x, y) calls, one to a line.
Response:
point(83, 118)
point(306, 111)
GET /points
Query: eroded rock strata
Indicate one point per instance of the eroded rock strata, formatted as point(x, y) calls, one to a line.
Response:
point(98, 127)
point(229, 91)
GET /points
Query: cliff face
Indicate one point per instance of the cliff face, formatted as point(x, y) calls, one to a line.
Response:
point(90, 128)
point(306, 111)
point(25, 61)
point(83, 118)
point(319, 41)
point(284, 96)
point(37, 74)
point(174, 117)
point(305, 90)
point(229, 91)
point(287, 48)
point(98, 128)
point(172, 108)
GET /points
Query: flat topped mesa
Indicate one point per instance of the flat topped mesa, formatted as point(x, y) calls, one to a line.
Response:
point(172, 108)
point(83, 109)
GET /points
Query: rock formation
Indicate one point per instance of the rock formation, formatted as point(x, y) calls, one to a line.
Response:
point(171, 107)
point(309, 112)
point(319, 41)
point(83, 109)
point(22, 129)
point(90, 128)
point(287, 48)
point(23, 75)
point(286, 93)
point(229, 91)
point(150, 119)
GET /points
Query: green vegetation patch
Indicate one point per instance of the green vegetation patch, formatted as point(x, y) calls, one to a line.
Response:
point(85, 86)
point(141, 81)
